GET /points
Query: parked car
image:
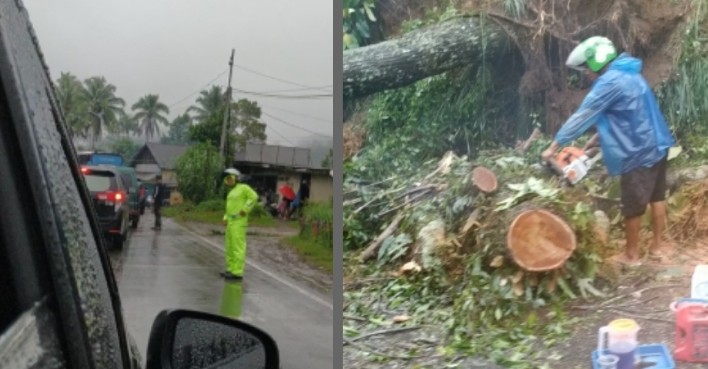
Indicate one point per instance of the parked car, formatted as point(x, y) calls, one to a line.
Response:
point(110, 200)
point(134, 195)
point(100, 158)
point(59, 302)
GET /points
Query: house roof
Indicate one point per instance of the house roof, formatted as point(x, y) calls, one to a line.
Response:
point(165, 155)
point(294, 157)
point(253, 153)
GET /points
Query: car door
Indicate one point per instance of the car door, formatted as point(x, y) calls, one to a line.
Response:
point(57, 290)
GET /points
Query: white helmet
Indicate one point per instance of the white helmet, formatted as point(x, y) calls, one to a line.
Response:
point(233, 171)
point(595, 52)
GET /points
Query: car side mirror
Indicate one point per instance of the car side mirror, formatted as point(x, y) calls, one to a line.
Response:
point(191, 339)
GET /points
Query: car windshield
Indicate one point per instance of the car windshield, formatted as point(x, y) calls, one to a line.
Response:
point(96, 183)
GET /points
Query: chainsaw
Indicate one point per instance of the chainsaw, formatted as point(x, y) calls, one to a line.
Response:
point(572, 164)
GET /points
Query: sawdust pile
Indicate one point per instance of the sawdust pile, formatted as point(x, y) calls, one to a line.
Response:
point(354, 136)
point(688, 210)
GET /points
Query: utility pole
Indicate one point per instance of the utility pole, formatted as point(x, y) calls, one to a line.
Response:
point(227, 113)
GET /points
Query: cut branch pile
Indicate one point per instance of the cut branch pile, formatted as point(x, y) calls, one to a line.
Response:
point(511, 216)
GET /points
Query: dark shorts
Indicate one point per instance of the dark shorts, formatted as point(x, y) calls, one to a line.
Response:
point(641, 187)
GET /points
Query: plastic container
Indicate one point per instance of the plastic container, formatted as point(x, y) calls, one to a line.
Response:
point(653, 356)
point(621, 341)
point(691, 337)
point(699, 283)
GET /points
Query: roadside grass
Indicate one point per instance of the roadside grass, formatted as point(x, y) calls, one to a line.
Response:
point(210, 212)
point(314, 240)
point(315, 253)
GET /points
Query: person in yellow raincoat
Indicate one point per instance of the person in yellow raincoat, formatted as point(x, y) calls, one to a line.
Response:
point(239, 202)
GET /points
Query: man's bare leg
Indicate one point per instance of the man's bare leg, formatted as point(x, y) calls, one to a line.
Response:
point(631, 251)
point(658, 220)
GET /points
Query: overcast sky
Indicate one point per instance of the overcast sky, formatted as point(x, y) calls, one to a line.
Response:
point(175, 47)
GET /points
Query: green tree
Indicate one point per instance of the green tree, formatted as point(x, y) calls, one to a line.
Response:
point(209, 103)
point(149, 115)
point(198, 170)
point(125, 125)
point(179, 130)
point(104, 107)
point(208, 131)
point(327, 161)
point(245, 127)
point(71, 96)
point(126, 147)
point(358, 22)
point(245, 124)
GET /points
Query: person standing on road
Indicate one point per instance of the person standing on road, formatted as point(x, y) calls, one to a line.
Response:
point(159, 195)
point(239, 202)
point(633, 134)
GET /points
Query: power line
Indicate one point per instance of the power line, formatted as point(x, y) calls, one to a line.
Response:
point(293, 112)
point(201, 89)
point(296, 126)
point(274, 78)
point(281, 135)
point(296, 113)
point(255, 93)
point(297, 89)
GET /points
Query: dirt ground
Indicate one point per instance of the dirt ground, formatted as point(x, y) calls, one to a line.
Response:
point(265, 247)
point(643, 293)
point(646, 293)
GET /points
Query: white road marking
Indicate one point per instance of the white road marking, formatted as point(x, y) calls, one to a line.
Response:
point(263, 270)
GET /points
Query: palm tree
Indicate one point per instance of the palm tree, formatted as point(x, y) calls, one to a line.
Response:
point(209, 104)
point(103, 105)
point(149, 115)
point(70, 94)
point(179, 130)
point(126, 124)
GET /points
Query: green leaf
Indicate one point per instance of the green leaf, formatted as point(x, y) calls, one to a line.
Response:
point(369, 13)
point(566, 289)
point(674, 152)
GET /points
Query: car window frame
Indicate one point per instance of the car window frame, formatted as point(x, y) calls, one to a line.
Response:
point(42, 139)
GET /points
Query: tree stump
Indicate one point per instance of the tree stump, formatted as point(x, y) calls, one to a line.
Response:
point(484, 179)
point(540, 241)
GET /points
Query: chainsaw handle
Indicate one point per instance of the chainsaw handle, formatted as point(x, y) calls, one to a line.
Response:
point(554, 166)
point(592, 152)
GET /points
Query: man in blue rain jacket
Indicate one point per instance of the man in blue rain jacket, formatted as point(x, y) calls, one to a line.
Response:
point(633, 134)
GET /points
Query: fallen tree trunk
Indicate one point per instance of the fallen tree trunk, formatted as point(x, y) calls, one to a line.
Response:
point(420, 54)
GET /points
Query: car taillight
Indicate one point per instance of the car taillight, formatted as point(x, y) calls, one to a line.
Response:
point(84, 170)
point(116, 197)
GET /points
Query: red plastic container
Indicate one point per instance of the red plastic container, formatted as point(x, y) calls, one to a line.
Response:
point(691, 339)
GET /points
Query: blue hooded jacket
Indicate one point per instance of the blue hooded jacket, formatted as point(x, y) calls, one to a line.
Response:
point(621, 104)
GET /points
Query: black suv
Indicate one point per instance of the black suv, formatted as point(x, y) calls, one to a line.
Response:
point(59, 302)
point(110, 201)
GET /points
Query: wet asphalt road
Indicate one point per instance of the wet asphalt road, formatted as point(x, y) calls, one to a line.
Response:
point(175, 268)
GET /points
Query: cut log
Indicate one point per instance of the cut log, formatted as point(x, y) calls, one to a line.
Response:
point(484, 179)
point(524, 146)
point(374, 246)
point(422, 53)
point(540, 241)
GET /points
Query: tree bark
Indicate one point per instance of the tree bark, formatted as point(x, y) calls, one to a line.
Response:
point(420, 54)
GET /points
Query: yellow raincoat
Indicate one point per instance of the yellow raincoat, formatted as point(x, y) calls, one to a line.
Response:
point(241, 198)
